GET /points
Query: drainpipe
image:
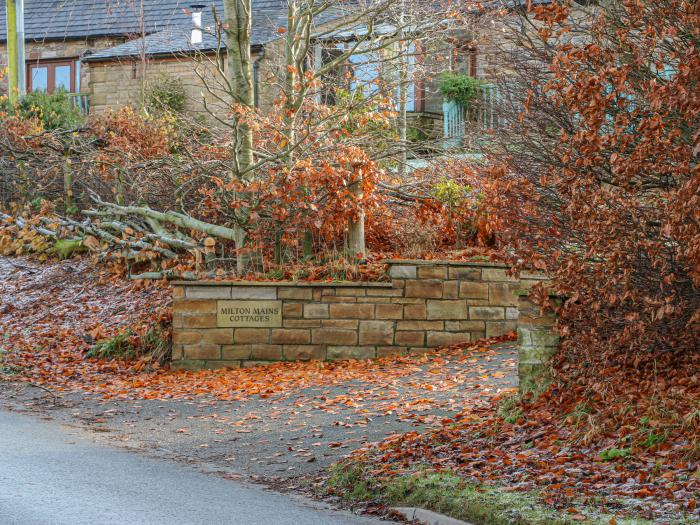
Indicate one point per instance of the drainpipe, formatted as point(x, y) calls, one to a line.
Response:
point(256, 79)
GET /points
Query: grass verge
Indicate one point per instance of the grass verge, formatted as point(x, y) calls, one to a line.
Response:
point(448, 494)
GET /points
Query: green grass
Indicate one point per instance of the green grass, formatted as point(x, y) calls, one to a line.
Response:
point(509, 409)
point(448, 494)
point(612, 453)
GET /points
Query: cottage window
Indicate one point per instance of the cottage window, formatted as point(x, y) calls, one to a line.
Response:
point(49, 75)
point(363, 73)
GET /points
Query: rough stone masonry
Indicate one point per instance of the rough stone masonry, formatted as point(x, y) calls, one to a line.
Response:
point(426, 304)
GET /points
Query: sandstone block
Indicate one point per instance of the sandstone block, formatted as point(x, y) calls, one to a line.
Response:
point(184, 337)
point(266, 352)
point(534, 321)
point(472, 326)
point(496, 328)
point(376, 332)
point(408, 300)
point(496, 274)
point(389, 311)
point(251, 335)
point(218, 336)
point(178, 292)
point(303, 352)
point(410, 338)
point(447, 309)
point(432, 272)
point(450, 290)
point(397, 283)
point(384, 351)
point(512, 314)
point(208, 292)
point(424, 288)
point(290, 292)
point(233, 352)
point(377, 300)
point(486, 312)
point(202, 351)
point(334, 299)
point(254, 363)
point(503, 294)
point(198, 321)
point(188, 307)
point(419, 325)
point(436, 339)
point(464, 273)
point(221, 364)
point(291, 310)
point(350, 352)
point(352, 310)
point(316, 311)
point(177, 352)
point(333, 336)
point(253, 292)
point(291, 336)
point(351, 292)
point(473, 290)
point(187, 365)
point(349, 324)
point(544, 338)
point(301, 323)
point(415, 311)
point(384, 292)
point(402, 271)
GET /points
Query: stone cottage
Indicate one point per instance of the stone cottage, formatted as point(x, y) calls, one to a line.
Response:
point(106, 53)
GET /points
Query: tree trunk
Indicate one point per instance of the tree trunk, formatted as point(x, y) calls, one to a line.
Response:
point(356, 228)
point(237, 26)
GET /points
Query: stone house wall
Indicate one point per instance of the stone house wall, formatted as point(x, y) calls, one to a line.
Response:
point(116, 83)
point(427, 304)
point(55, 49)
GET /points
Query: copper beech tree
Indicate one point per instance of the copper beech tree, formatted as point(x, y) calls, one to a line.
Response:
point(596, 179)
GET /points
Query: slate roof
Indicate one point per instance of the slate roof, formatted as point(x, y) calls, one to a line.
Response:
point(176, 39)
point(73, 19)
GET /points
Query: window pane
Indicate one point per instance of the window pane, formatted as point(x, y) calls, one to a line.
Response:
point(62, 74)
point(40, 78)
point(365, 73)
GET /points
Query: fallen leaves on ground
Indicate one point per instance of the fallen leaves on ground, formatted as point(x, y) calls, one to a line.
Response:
point(52, 314)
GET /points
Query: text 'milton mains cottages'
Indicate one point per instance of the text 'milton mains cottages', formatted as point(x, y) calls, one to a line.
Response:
point(249, 313)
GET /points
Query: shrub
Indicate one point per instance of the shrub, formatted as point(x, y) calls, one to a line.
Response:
point(460, 88)
point(53, 110)
point(165, 93)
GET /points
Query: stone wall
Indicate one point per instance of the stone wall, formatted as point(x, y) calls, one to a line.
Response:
point(116, 83)
point(537, 343)
point(61, 49)
point(426, 304)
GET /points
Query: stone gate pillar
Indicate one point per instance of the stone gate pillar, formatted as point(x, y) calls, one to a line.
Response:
point(537, 342)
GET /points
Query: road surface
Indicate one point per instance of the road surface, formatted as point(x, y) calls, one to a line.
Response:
point(51, 475)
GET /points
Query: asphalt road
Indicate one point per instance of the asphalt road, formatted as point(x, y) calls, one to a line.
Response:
point(52, 475)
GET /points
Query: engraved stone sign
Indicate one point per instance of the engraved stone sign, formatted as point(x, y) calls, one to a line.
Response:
point(249, 313)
